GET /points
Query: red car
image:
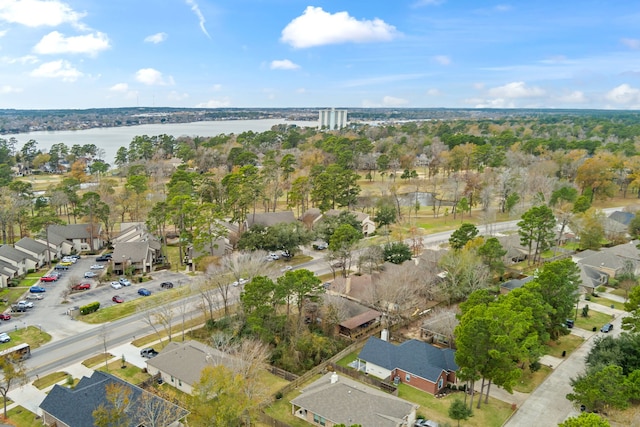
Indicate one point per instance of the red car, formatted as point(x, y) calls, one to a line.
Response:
point(117, 299)
point(5, 316)
point(48, 279)
point(81, 287)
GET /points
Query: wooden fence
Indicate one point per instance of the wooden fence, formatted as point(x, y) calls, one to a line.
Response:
point(282, 373)
point(364, 378)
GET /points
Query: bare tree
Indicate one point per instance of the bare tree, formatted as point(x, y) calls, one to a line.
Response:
point(103, 335)
point(216, 289)
point(152, 411)
point(164, 316)
point(149, 319)
point(393, 290)
point(247, 265)
point(463, 273)
point(13, 372)
point(442, 322)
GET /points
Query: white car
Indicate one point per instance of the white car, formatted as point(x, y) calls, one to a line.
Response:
point(89, 274)
point(240, 282)
point(34, 296)
point(286, 268)
point(97, 267)
point(24, 303)
point(4, 337)
point(116, 285)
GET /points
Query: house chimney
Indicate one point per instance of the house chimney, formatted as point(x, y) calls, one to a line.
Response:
point(334, 378)
point(384, 335)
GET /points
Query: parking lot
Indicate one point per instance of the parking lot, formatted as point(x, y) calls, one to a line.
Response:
point(50, 313)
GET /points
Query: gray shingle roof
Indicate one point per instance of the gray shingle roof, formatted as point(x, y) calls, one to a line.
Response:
point(416, 357)
point(350, 402)
point(75, 231)
point(15, 254)
point(269, 219)
point(31, 245)
point(516, 283)
point(622, 217)
point(132, 251)
point(74, 407)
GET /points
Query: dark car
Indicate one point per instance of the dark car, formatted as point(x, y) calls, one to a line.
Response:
point(103, 258)
point(37, 289)
point(166, 285)
point(570, 323)
point(607, 328)
point(117, 299)
point(144, 292)
point(148, 352)
point(61, 267)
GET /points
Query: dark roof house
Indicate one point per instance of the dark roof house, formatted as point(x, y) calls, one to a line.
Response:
point(74, 407)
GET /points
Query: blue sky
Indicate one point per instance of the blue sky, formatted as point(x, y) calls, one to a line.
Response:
point(291, 53)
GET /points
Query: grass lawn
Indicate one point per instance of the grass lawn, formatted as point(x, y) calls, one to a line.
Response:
point(271, 382)
point(50, 379)
point(606, 302)
point(566, 343)
point(32, 335)
point(12, 294)
point(530, 380)
point(620, 292)
point(344, 362)
point(176, 332)
point(281, 408)
point(131, 373)
point(22, 417)
point(493, 414)
point(97, 359)
point(595, 320)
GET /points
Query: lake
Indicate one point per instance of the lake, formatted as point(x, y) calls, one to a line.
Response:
point(111, 139)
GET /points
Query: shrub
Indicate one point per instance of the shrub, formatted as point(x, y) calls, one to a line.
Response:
point(90, 308)
point(279, 395)
point(601, 288)
point(535, 366)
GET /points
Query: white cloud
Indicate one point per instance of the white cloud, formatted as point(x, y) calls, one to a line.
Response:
point(196, 9)
point(38, 13)
point(442, 59)
point(153, 77)
point(27, 59)
point(3, 33)
point(217, 87)
point(9, 89)
point(119, 87)
point(575, 97)
point(516, 90)
point(215, 103)
point(175, 96)
point(55, 43)
point(631, 43)
point(283, 64)
point(315, 27)
point(624, 94)
point(434, 92)
point(57, 69)
point(156, 38)
point(392, 101)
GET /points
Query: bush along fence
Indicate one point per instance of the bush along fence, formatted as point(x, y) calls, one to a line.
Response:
point(90, 308)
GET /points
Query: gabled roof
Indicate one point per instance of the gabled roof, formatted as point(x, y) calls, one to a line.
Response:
point(54, 239)
point(603, 259)
point(15, 254)
point(360, 216)
point(185, 361)
point(416, 357)
point(516, 283)
point(74, 407)
point(131, 251)
point(622, 217)
point(361, 319)
point(349, 402)
point(31, 245)
point(75, 231)
point(590, 277)
point(626, 250)
point(269, 219)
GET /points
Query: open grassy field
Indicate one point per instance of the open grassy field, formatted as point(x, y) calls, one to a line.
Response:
point(566, 343)
point(51, 379)
point(129, 373)
point(529, 381)
point(31, 335)
point(97, 359)
point(595, 320)
point(606, 302)
point(22, 417)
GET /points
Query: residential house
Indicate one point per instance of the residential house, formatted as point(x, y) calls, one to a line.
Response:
point(269, 219)
point(22, 261)
point(335, 399)
point(354, 318)
point(36, 250)
point(74, 407)
point(83, 237)
point(7, 272)
point(135, 255)
point(512, 284)
point(57, 244)
point(220, 247)
point(616, 225)
point(181, 364)
point(367, 224)
point(415, 363)
point(591, 278)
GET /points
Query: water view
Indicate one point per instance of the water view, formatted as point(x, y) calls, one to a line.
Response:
point(110, 139)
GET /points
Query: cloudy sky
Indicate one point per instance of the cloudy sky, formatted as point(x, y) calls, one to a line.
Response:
point(292, 53)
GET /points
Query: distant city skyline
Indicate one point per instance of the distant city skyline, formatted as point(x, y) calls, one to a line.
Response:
point(274, 53)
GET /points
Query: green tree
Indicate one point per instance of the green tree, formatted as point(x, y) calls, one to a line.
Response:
point(115, 411)
point(299, 285)
point(582, 204)
point(137, 185)
point(397, 252)
point(208, 228)
point(462, 235)
point(600, 388)
point(459, 411)
point(632, 322)
point(385, 216)
point(536, 230)
point(258, 304)
point(492, 254)
point(14, 372)
point(342, 243)
point(585, 419)
point(591, 229)
point(634, 227)
point(334, 186)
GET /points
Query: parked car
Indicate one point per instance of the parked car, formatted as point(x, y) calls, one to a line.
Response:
point(569, 323)
point(48, 279)
point(34, 296)
point(103, 258)
point(607, 328)
point(117, 299)
point(60, 267)
point(108, 255)
point(97, 267)
point(37, 289)
point(90, 274)
point(144, 292)
point(286, 268)
point(75, 256)
point(320, 246)
point(166, 285)
point(5, 316)
point(116, 285)
point(4, 337)
point(124, 282)
point(27, 304)
point(65, 263)
point(148, 352)
point(81, 287)
point(274, 256)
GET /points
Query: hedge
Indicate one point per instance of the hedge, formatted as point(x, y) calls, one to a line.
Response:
point(90, 308)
